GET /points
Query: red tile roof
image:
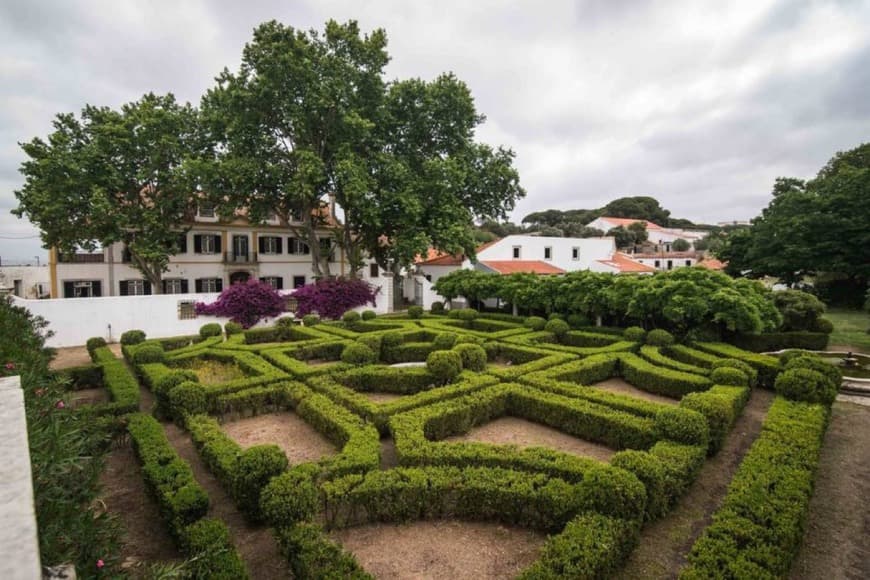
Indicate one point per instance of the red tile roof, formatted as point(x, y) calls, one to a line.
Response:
point(625, 222)
point(712, 264)
point(522, 266)
point(436, 258)
point(625, 265)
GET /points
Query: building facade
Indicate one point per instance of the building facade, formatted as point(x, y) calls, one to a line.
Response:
point(659, 236)
point(31, 282)
point(213, 254)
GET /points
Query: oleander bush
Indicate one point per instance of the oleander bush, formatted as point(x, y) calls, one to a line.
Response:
point(132, 337)
point(659, 337)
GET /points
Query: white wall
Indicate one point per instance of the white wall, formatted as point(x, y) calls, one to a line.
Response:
point(532, 248)
point(75, 320)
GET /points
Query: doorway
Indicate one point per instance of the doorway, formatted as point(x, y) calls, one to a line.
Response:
point(239, 278)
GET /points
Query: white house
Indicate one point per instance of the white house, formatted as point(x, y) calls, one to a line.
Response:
point(658, 235)
point(537, 255)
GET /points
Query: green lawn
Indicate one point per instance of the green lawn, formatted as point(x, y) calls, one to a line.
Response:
point(850, 328)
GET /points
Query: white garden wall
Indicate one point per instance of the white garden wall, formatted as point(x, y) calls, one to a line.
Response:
point(75, 320)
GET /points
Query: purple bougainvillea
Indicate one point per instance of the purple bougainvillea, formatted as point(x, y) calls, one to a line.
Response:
point(332, 298)
point(246, 303)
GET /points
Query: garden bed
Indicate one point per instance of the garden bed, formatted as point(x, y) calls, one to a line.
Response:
point(95, 396)
point(523, 434)
point(620, 387)
point(299, 441)
point(214, 372)
point(438, 550)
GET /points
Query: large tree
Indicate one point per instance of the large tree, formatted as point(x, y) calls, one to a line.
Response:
point(813, 227)
point(309, 115)
point(114, 175)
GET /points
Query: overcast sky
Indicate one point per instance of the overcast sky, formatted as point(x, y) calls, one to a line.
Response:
point(699, 104)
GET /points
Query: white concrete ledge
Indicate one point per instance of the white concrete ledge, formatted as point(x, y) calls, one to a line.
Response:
point(19, 546)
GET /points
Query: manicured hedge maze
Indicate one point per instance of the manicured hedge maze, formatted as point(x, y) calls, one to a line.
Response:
point(541, 371)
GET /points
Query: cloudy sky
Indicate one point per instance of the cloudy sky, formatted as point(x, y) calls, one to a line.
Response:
point(700, 104)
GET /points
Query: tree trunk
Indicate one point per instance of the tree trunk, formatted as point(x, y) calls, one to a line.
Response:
point(152, 272)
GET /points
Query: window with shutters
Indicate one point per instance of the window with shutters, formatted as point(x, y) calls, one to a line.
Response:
point(181, 244)
point(209, 284)
point(373, 271)
point(206, 244)
point(276, 282)
point(548, 253)
point(174, 286)
point(81, 288)
point(135, 287)
point(270, 245)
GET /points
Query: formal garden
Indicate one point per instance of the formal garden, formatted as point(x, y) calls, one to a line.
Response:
point(444, 443)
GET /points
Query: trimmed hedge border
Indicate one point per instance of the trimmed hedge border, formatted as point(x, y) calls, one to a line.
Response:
point(119, 381)
point(782, 340)
point(655, 355)
point(662, 381)
point(757, 530)
point(768, 367)
point(183, 502)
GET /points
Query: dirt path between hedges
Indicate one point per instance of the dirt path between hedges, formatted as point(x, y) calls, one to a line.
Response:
point(255, 544)
point(664, 544)
point(76, 356)
point(837, 539)
point(124, 494)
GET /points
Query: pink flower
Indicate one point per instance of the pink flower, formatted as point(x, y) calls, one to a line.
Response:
point(60, 405)
point(10, 366)
point(100, 563)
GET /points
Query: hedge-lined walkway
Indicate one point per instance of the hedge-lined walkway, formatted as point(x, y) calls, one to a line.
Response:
point(838, 525)
point(665, 543)
point(255, 544)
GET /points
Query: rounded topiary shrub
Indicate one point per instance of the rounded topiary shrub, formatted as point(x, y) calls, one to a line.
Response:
point(535, 323)
point(444, 365)
point(729, 376)
point(373, 341)
point(149, 353)
point(473, 356)
point(415, 312)
point(659, 337)
point(824, 325)
point(634, 334)
point(94, 343)
point(445, 341)
point(651, 472)
point(369, 315)
point(806, 385)
point(467, 315)
point(682, 425)
point(558, 327)
point(391, 339)
point(210, 329)
point(310, 320)
point(350, 317)
point(578, 320)
point(232, 328)
point(789, 355)
point(732, 363)
point(437, 308)
point(358, 354)
point(285, 322)
point(132, 337)
point(188, 398)
point(255, 467)
point(815, 363)
point(190, 503)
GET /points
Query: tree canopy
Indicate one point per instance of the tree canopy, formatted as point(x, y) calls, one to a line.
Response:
point(813, 227)
point(310, 115)
point(114, 175)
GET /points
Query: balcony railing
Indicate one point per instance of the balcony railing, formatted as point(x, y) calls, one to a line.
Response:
point(235, 258)
point(81, 258)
